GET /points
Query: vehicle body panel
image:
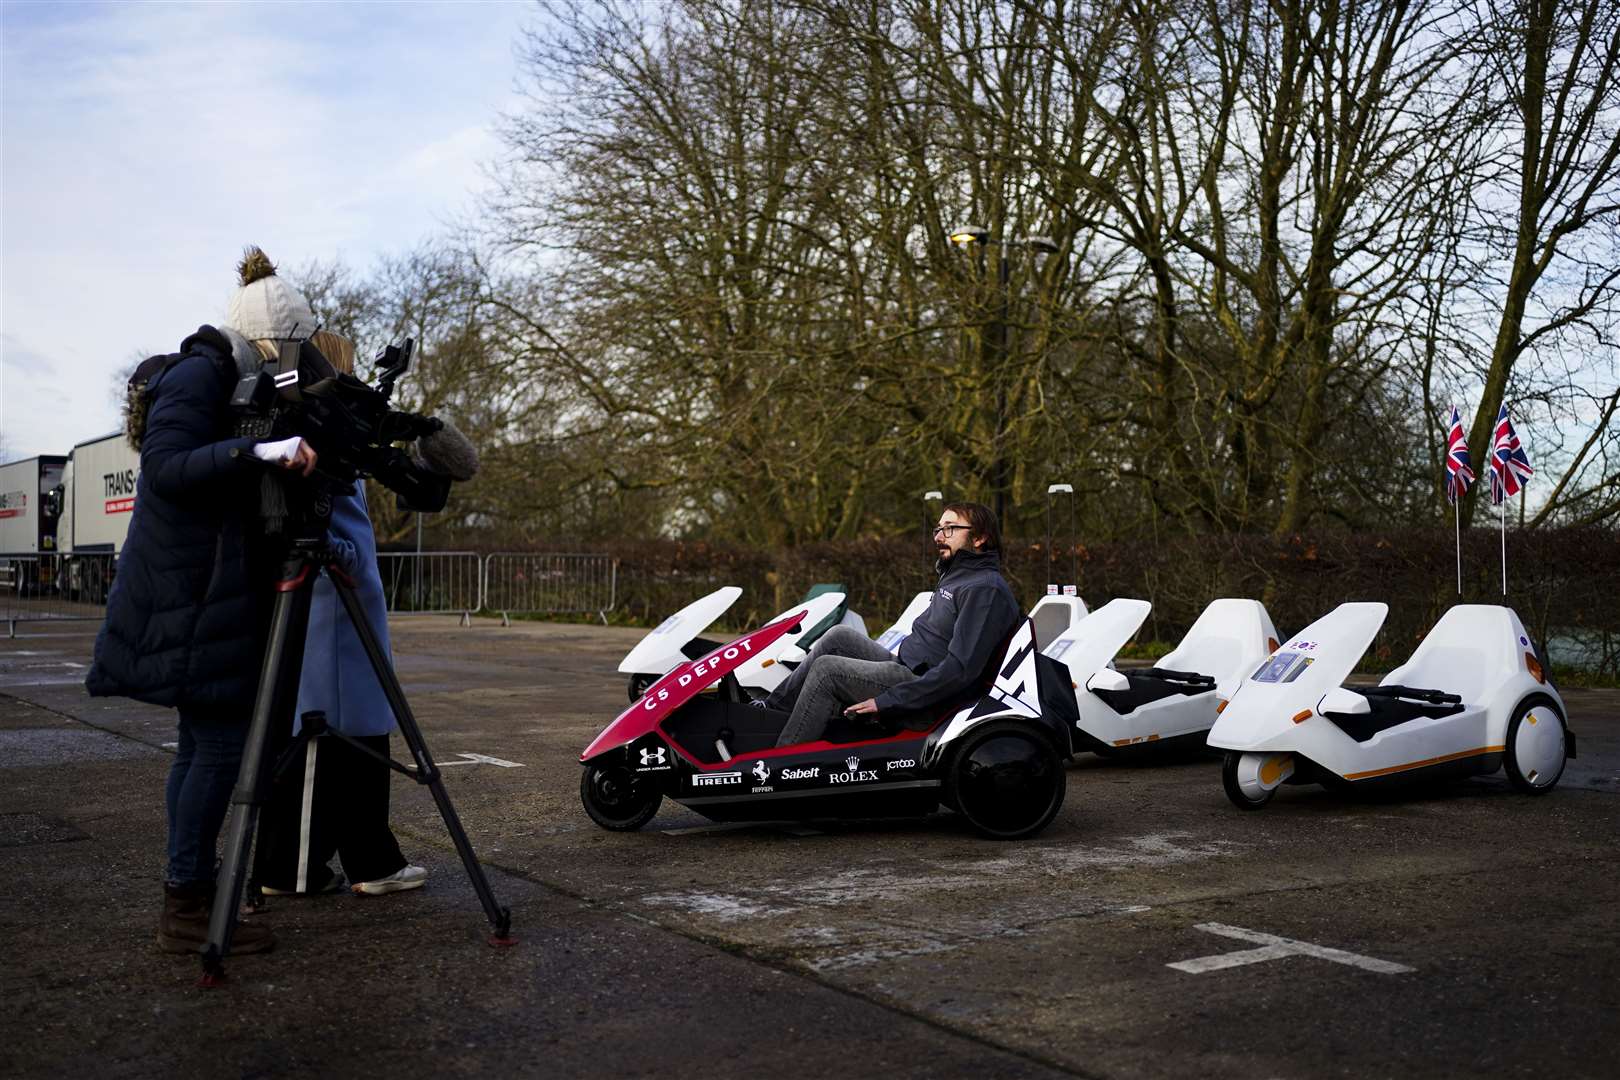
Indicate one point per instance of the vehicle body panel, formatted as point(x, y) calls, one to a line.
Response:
point(1260, 714)
point(660, 650)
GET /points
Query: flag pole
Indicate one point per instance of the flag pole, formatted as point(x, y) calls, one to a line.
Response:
point(1504, 546)
point(1456, 516)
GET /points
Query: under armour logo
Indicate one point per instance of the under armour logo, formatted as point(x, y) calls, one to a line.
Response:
point(652, 756)
point(762, 771)
point(853, 762)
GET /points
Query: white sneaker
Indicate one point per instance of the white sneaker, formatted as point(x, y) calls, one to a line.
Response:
point(410, 877)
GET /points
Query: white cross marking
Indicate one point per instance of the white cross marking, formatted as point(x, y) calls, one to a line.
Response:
point(481, 759)
point(1273, 947)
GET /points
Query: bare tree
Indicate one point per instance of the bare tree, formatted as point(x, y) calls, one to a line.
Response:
point(1554, 65)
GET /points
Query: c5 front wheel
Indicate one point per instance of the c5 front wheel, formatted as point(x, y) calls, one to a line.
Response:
point(617, 798)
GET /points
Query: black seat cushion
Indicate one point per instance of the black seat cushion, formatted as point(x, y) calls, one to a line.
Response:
point(1147, 687)
point(1387, 712)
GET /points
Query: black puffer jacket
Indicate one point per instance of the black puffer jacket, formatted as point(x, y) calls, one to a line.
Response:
point(970, 617)
point(188, 615)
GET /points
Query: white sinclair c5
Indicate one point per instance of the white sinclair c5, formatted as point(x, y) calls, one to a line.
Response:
point(996, 756)
point(1472, 699)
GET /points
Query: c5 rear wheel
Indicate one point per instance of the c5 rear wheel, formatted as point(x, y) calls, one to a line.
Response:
point(1007, 780)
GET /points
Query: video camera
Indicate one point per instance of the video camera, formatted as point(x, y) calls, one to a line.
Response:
point(348, 422)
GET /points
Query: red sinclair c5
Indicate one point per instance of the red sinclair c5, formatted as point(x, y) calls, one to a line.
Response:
point(996, 758)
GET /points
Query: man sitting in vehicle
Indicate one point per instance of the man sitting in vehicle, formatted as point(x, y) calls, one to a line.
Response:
point(971, 615)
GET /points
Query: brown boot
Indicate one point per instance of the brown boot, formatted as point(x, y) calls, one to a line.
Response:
point(184, 925)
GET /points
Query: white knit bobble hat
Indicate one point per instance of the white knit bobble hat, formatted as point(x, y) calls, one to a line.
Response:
point(266, 307)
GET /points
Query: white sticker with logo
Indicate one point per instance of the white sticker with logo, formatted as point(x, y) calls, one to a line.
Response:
point(855, 775)
point(654, 758)
point(716, 779)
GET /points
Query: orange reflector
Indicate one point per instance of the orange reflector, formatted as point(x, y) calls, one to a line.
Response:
point(1302, 716)
point(766, 663)
point(1271, 644)
point(1220, 706)
point(1534, 665)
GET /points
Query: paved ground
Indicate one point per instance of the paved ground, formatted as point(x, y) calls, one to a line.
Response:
point(906, 949)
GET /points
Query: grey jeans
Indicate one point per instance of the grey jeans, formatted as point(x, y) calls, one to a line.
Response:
point(844, 666)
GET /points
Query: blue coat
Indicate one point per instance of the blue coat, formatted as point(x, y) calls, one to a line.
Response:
point(189, 610)
point(337, 677)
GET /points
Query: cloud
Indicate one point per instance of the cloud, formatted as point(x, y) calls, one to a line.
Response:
point(19, 358)
point(145, 144)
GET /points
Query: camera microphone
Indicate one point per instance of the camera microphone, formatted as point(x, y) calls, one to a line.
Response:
point(447, 452)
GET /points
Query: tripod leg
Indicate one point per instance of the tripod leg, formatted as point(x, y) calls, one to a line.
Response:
point(276, 698)
point(500, 918)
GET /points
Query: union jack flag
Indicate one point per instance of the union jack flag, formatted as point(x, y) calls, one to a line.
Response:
point(1459, 472)
point(1510, 466)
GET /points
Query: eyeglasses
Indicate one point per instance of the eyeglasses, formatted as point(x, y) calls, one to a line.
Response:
point(949, 531)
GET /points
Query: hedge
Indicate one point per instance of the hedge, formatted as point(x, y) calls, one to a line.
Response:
point(1564, 583)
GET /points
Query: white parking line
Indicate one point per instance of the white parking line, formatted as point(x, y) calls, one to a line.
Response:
point(1273, 947)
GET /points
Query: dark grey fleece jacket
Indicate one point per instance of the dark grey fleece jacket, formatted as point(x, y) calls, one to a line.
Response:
point(950, 645)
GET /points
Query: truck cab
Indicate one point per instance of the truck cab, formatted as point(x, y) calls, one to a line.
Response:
point(28, 521)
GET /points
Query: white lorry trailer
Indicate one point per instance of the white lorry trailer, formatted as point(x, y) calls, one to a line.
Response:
point(28, 521)
point(97, 498)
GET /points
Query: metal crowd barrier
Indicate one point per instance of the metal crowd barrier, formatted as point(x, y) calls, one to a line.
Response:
point(51, 587)
point(531, 584)
point(431, 582)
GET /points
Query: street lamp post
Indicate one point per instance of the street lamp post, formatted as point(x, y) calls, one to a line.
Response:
point(977, 235)
point(929, 517)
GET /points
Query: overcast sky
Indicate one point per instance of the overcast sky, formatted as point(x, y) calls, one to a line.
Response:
point(144, 144)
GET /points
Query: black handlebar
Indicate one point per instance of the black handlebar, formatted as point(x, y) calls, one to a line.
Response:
point(1180, 676)
point(1433, 697)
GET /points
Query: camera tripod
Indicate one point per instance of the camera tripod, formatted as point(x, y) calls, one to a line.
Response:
point(272, 710)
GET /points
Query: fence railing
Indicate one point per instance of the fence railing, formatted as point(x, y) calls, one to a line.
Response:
point(520, 583)
point(431, 582)
point(50, 587)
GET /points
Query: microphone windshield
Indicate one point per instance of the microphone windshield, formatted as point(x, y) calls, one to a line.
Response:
point(449, 453)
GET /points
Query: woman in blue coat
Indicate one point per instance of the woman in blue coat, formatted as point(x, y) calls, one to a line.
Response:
point(334, 799)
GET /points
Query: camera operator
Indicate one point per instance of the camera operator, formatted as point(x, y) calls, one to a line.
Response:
point(335, 799)
point(188, 615)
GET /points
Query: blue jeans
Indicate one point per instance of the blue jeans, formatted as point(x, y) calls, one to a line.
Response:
point(199, 789)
